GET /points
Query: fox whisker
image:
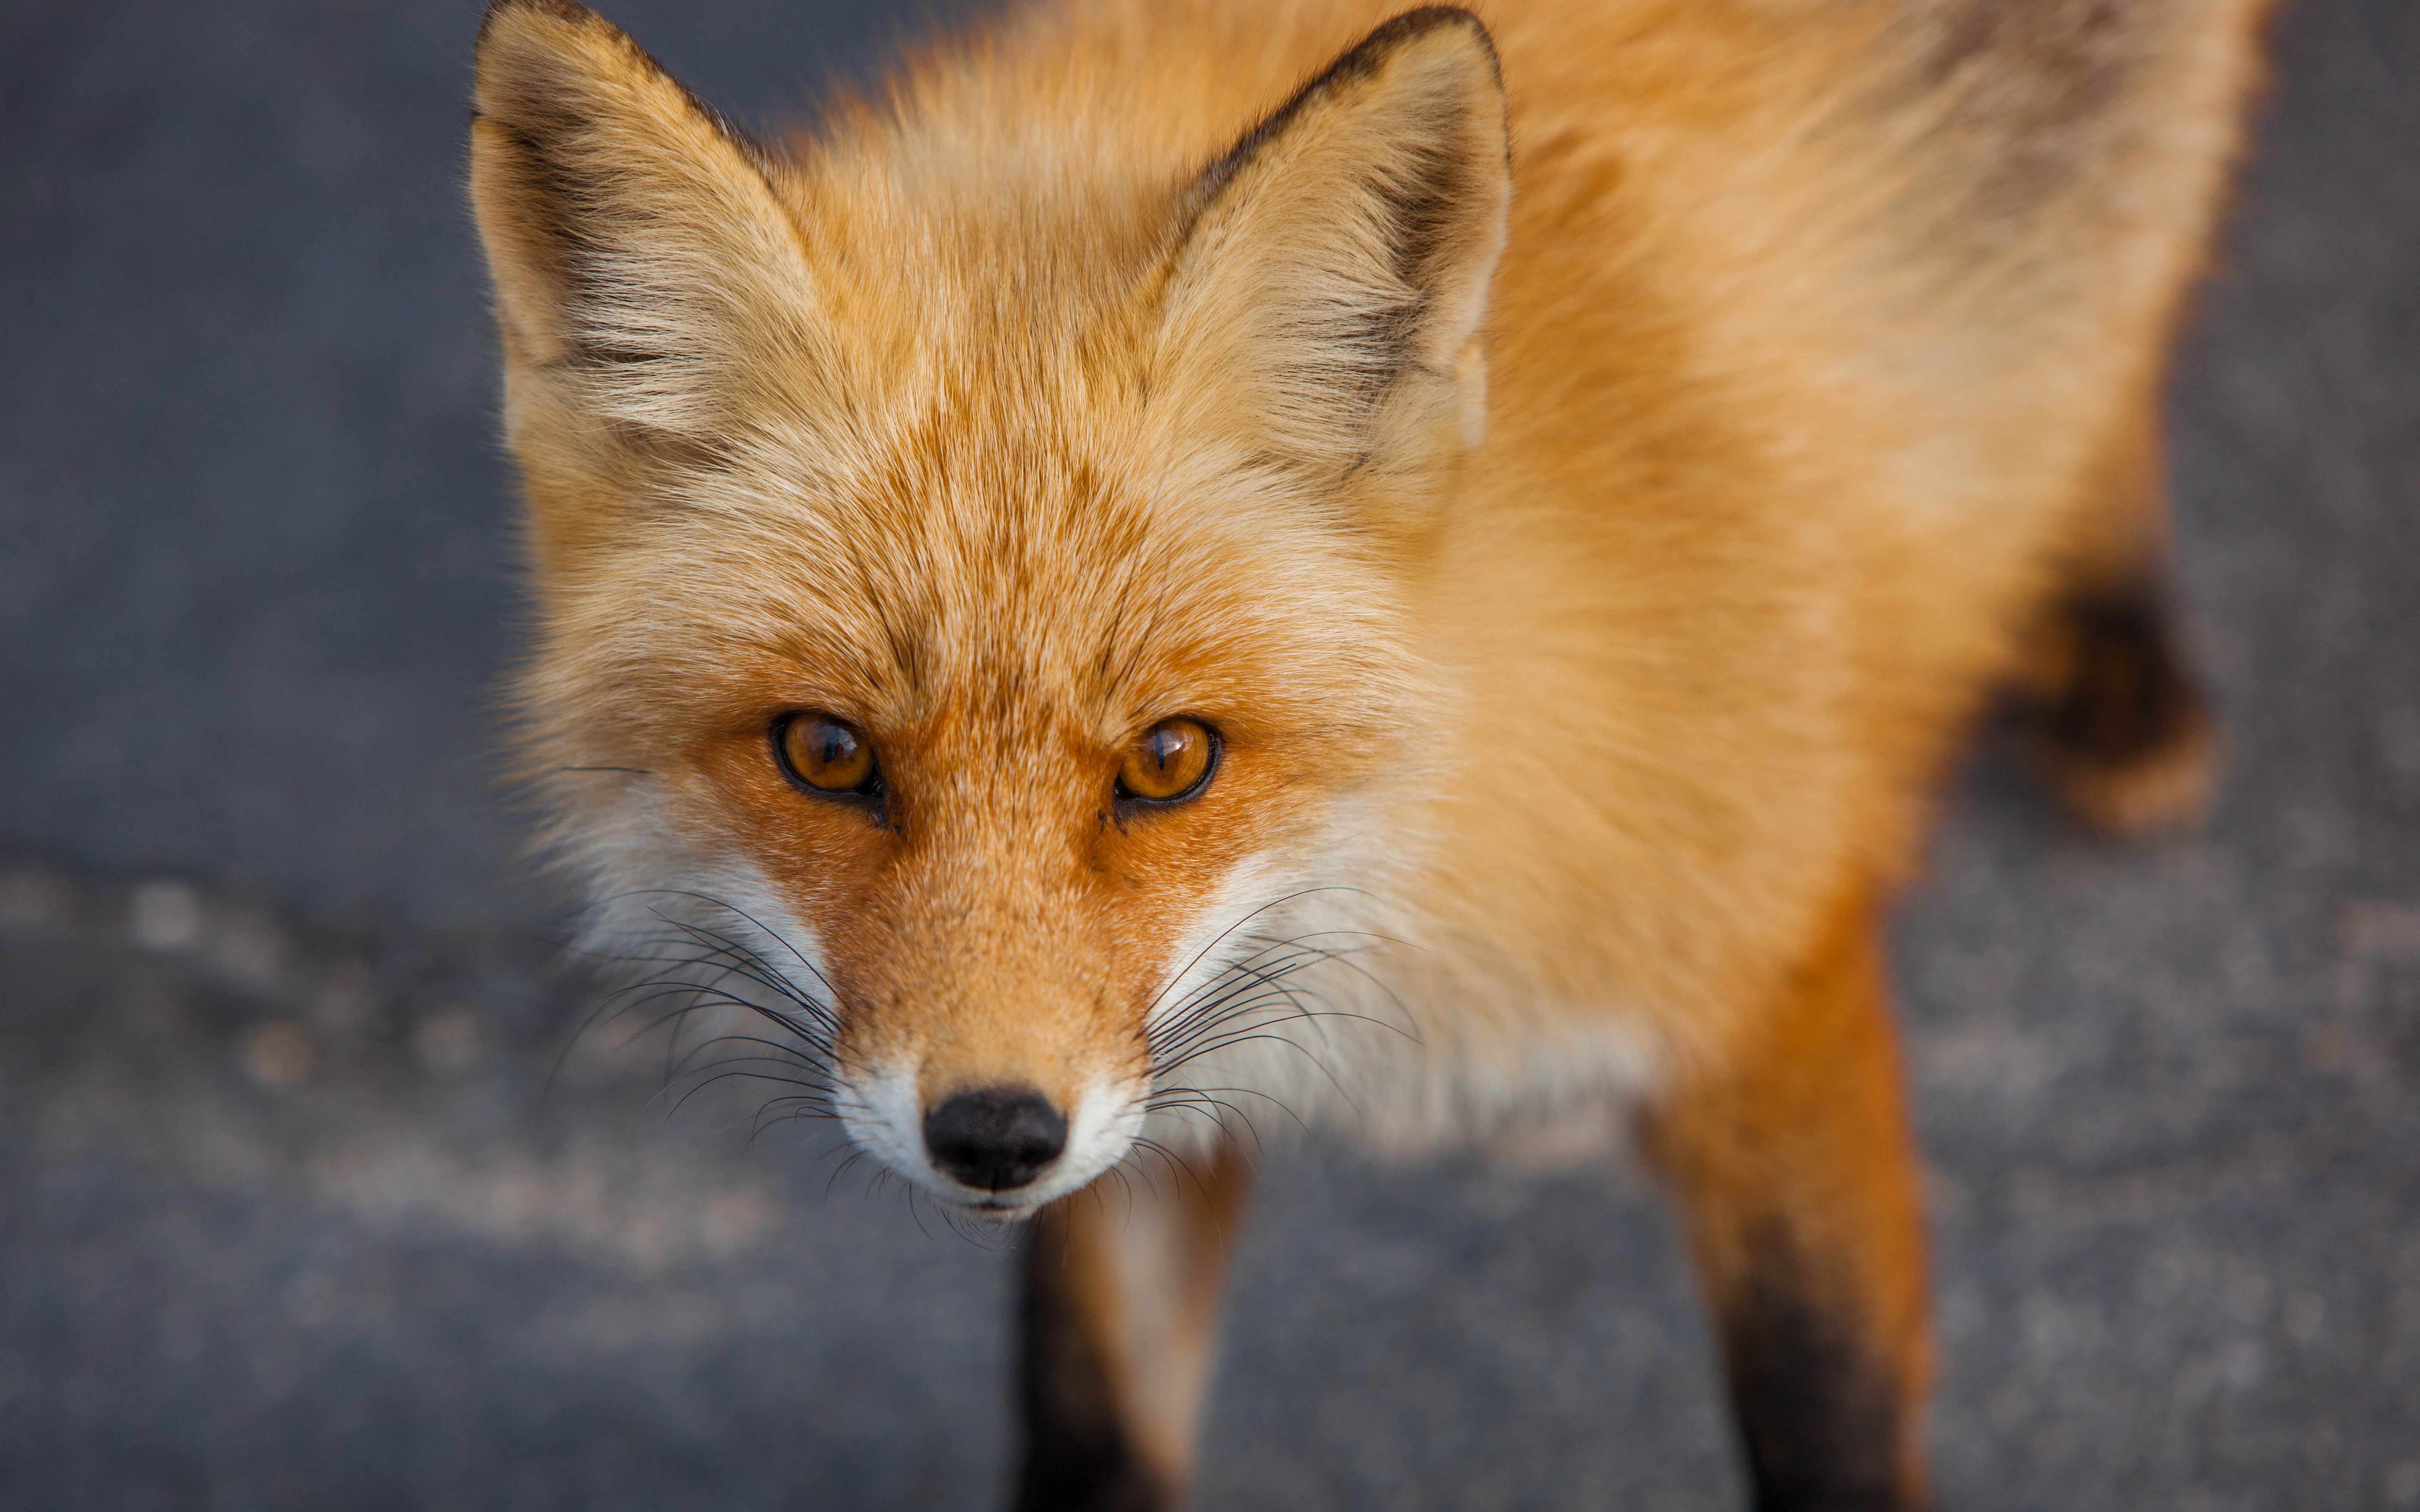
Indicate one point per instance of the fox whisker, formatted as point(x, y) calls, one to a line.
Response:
point(700, 968)
point(1248, 998)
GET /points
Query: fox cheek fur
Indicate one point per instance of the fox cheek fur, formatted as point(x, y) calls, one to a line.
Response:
point(1569, 599)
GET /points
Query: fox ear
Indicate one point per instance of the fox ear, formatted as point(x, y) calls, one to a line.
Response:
point(634, 238)
point(1329, 294)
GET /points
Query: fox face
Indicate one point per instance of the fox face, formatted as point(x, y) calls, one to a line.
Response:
point(985, 834)
point(983, 613)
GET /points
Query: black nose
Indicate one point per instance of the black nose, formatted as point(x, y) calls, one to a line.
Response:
point(995, 1139)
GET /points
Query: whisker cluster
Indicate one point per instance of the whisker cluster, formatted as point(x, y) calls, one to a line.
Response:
point(686, 967)
point(694, 968)
point(1254, 996)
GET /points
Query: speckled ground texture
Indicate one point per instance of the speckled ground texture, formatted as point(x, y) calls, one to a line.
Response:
point(289, 1216)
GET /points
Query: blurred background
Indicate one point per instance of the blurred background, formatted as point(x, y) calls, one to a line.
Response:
point(296, 1211)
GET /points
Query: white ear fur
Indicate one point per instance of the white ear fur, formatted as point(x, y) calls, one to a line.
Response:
point(1331, 291)
point(634, 240)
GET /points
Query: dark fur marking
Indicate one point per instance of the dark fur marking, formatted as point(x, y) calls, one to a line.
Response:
point(1359, 63)
point(1419, 224)
point(2032, 93)
point(1077, 1455)
point(2128, 695)
point(569, 11)
point(1821, 1415)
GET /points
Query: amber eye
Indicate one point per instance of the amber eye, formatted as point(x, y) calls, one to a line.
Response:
point(827, 754)
point(1174, 760)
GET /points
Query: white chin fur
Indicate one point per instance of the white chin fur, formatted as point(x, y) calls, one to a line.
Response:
point(885, 1115)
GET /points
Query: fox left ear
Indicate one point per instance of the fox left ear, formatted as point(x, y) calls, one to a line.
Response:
point(1329, 294)
point(645, 272)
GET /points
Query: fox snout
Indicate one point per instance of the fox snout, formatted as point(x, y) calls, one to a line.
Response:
point(1004, 1145)
point(995, 1139)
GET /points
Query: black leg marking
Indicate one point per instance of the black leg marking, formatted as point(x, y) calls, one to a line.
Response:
point(2128, 695)
point(2120, 728)
point(1822, 1417)
point(1078, 1456)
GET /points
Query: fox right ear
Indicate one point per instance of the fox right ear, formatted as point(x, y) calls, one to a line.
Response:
point(1330, 291)
point(643, 263)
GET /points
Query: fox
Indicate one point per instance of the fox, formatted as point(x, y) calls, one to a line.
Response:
point(1179, 565)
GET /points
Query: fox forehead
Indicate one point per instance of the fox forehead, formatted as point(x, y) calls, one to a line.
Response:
point(959, 574)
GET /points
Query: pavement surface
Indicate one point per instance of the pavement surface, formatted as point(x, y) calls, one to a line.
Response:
point(303, 1204)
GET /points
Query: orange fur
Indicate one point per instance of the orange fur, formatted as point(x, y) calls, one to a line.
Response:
point(1798, 1181)
point(1587, 470)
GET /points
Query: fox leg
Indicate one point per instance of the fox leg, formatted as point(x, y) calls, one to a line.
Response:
point(2118, 729)
point(1121, 1305)
point(1797, 1184)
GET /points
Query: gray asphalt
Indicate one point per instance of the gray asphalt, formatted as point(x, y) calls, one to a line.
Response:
point(295, 1210)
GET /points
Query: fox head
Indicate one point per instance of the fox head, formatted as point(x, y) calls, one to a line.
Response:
point(981, 571)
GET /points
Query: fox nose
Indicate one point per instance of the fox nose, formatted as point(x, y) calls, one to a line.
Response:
point(995, 1139)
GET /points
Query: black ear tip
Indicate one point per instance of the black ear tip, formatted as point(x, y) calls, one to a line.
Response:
point(502, 12)
point(1392, 38)
point(1413, 24)
point(571, 10)
point(1358, 63)
point(1421, 18)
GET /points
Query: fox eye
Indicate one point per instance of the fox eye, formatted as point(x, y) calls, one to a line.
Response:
point(1171, 762)
point(828, 755)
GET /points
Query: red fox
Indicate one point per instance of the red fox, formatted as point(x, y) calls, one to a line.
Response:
point(1201, 557)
